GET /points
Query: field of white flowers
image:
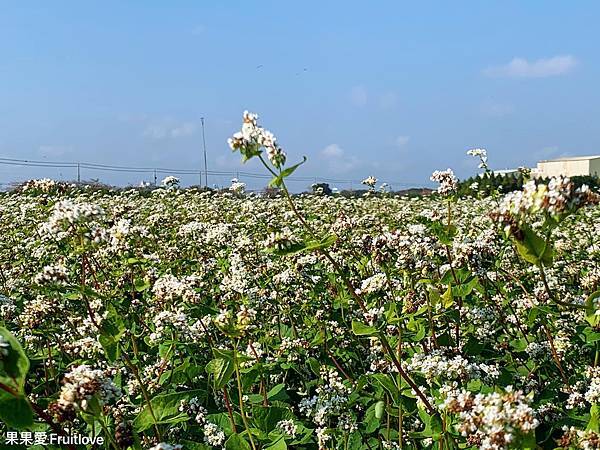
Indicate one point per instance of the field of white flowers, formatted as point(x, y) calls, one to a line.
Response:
point(183, 319)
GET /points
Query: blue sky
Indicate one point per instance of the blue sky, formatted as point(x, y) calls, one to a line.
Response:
point(390, 88)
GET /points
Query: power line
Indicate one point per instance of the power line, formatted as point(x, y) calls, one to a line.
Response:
point(163, 170)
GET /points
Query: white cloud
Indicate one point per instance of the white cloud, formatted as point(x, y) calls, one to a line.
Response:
point(359, 96)
point(166, 129)
point(540, 68)
point(337, 159)
point(185, 129)
point(401, 141)
point(332, 151)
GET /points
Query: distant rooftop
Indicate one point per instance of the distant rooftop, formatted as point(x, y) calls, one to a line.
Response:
point(571, 158)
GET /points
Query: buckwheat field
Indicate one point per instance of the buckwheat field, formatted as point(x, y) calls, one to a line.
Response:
point(179, 319)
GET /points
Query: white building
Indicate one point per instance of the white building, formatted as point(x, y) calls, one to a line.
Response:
point(569, 166)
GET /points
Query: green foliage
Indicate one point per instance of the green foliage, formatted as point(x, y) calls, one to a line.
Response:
point(165, 409)
point(533, 248)
point(164, 317)
point(15, 410)
point(14, 365)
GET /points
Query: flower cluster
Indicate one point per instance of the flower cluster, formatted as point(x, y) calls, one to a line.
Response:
point(480, 153)
point(213, 435)
point(80, 386)
point(493, 420)
point(67, 213)
point(252, 138)
point(437, 365)
point(287, 427)
point(237, 186)
point(447, 180)
point(44, 185)
point(165, 446)
point(582, 439)
point(370, 181)
point(556, 198)
point(170, 182)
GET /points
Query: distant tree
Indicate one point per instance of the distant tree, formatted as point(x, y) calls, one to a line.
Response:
point(485, 184)
point(321, 189)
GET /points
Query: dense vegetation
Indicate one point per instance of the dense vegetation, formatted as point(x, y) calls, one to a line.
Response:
point(198, 320)
point(490, 183)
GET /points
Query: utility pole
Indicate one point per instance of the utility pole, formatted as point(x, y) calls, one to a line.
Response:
point(154, 177)
point(204, 146)
point(78, 173)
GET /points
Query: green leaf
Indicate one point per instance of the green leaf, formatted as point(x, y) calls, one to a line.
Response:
point(371, 421)
point(447, 298)
point(594, 423)
point(379, 409)
point(389, 385)
point(15, 364)
point(360, 329)
point(141, 285)
point(444, 232)
point(465, 288)
point(434, 296)
point(529, 442)
point(278, 180)
point(533, 248)
point(327, 241)
point(111, 331)
point(250, 152)
point(223, 421)
point(165, 408)
point(314, 365)
point(591, 309)
point(278, 392)
point(15, 412)
point(266, 418)
point(279, 444)
point(312, 245)
point(221, 369)
point(236, 442)
point(591, 336)
point(355, 441)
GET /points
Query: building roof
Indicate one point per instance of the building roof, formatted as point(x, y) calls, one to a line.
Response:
point(571, 158)
point(503, 171)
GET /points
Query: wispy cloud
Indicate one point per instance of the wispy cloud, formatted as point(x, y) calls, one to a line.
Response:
point(359, 95)
point(540, 68)
point(168, 128)
point(401, 141)
point(332, 151)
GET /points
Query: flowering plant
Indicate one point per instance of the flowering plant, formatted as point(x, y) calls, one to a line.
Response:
point(180, 319)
